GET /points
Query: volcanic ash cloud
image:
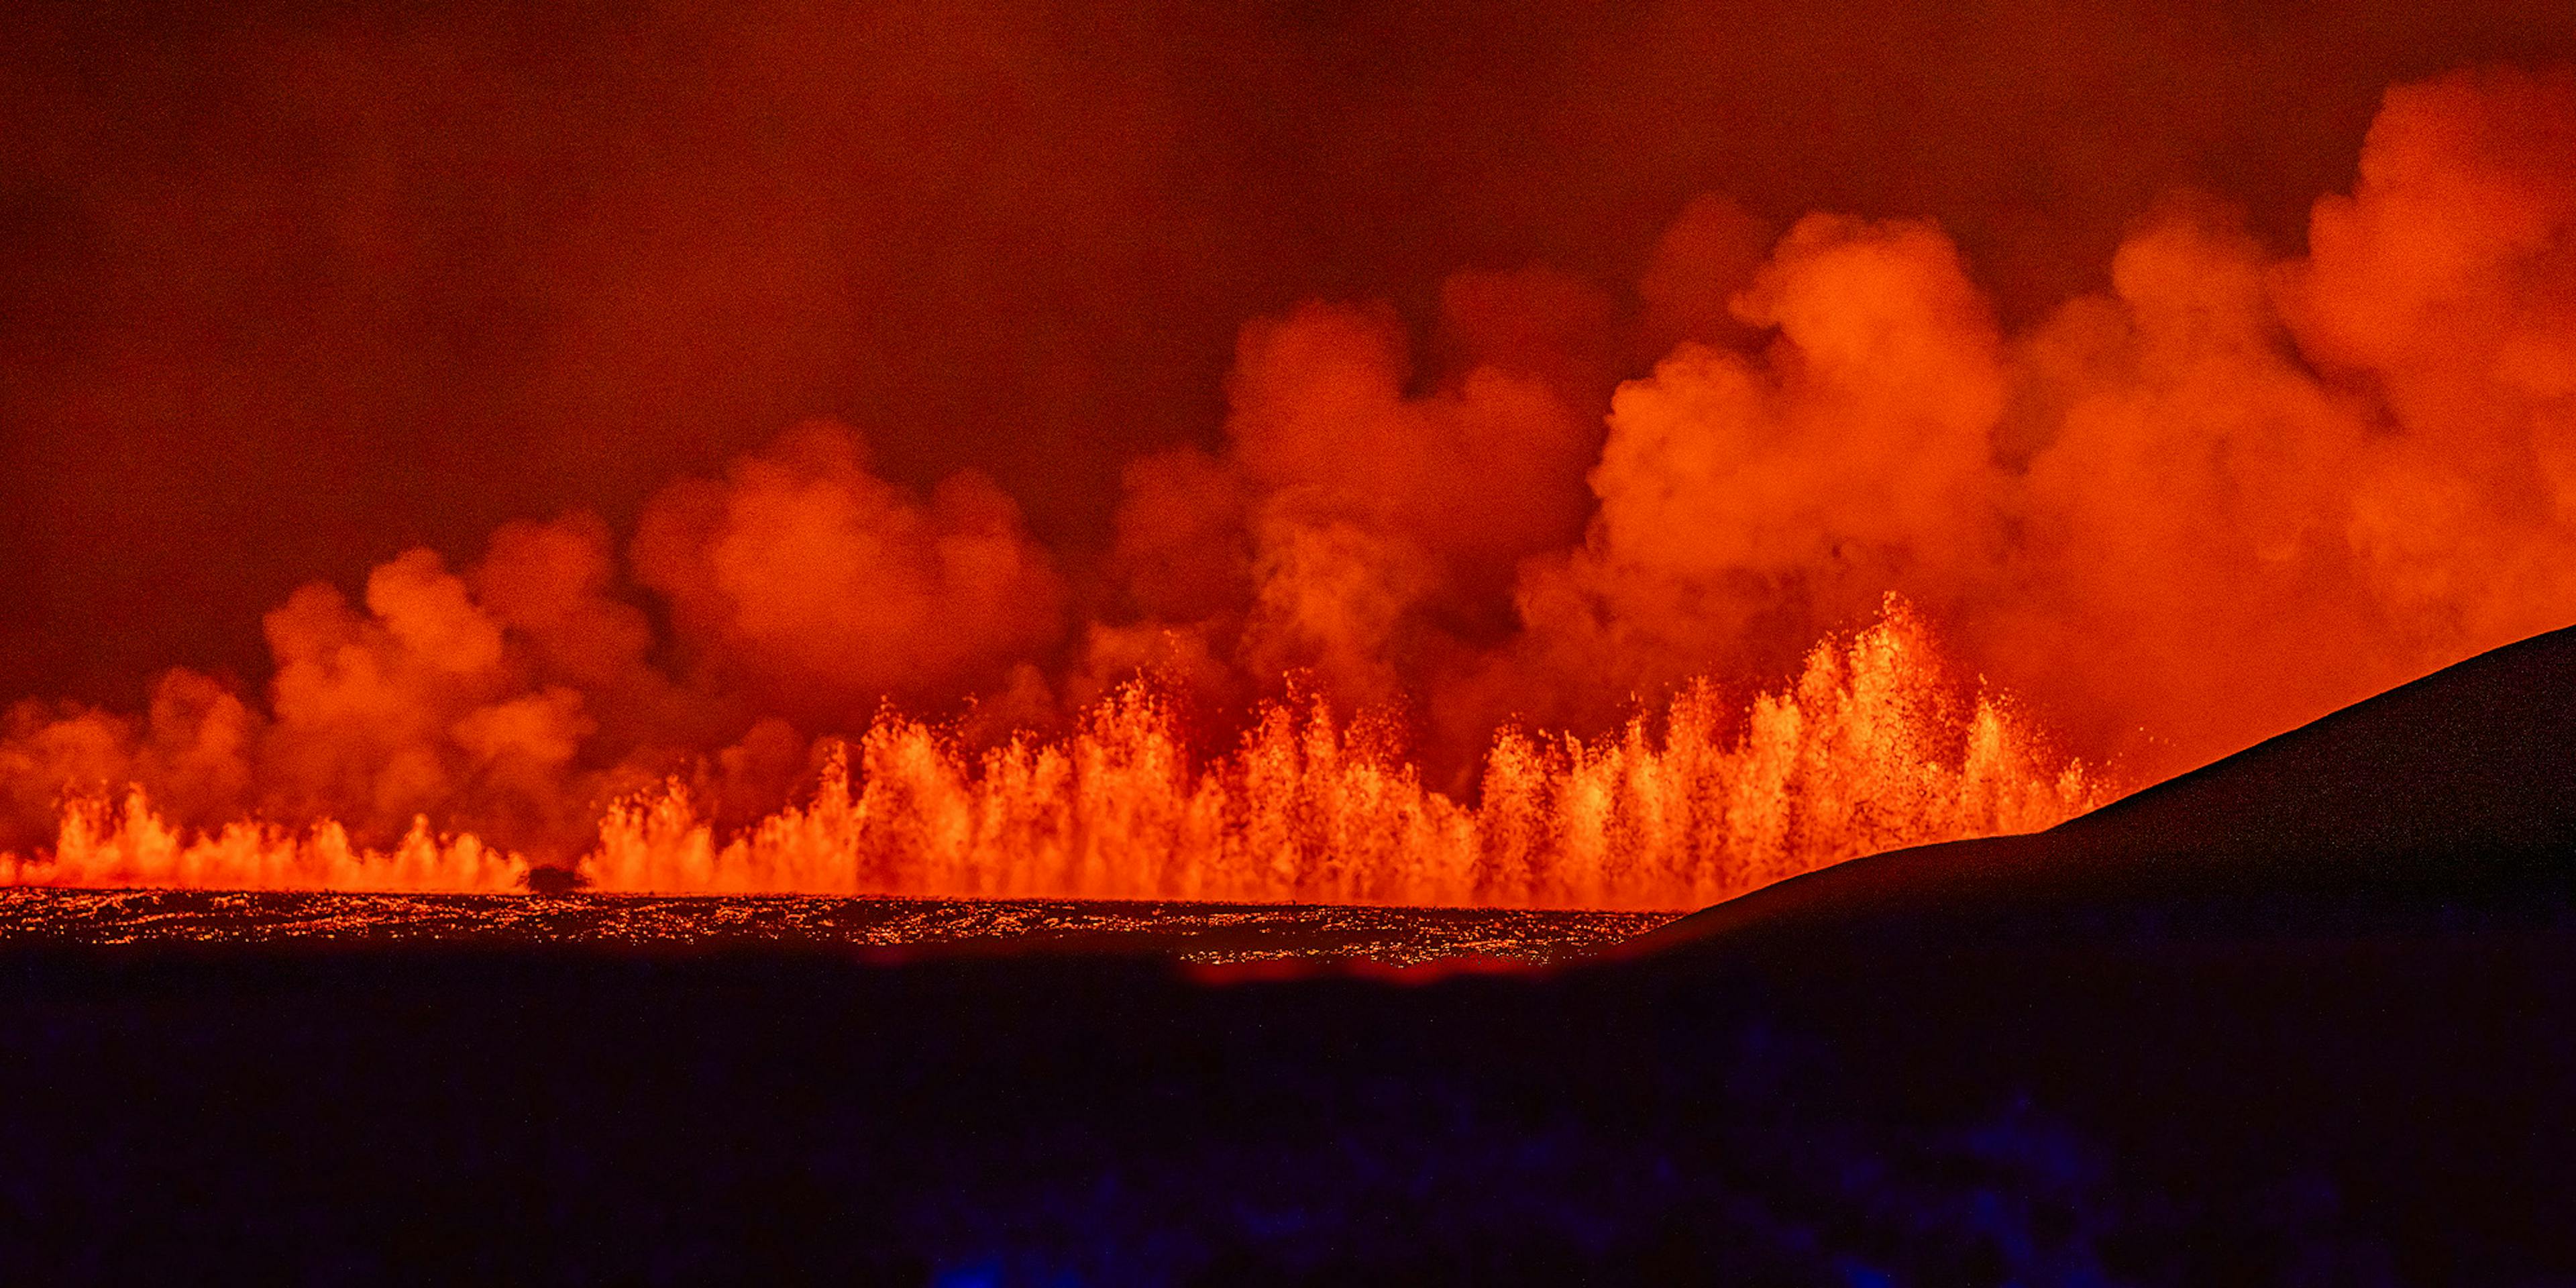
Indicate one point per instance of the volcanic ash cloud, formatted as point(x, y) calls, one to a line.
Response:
point(2230, 492)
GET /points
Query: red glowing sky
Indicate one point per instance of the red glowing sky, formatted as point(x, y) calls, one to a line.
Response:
point(292, 287)
point(484, 415)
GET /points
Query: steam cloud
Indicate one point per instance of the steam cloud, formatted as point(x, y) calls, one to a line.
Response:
point(2227, 495)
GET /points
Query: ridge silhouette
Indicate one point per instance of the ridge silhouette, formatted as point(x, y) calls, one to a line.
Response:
point(2451, 796)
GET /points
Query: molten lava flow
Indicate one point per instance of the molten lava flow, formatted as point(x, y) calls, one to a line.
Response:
point(2217, 497)
point(1869, 750)
point(104, 847)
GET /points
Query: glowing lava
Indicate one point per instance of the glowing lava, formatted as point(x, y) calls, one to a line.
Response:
point(2228, 493)
point(1870, 750)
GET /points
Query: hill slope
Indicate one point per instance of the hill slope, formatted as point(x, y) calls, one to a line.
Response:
point(2451, 796)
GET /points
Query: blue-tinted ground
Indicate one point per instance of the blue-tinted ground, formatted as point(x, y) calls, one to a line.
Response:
point(2219, 1111)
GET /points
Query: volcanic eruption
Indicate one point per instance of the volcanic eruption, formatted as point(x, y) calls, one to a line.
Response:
point(1007, 643)
point(1789, 551)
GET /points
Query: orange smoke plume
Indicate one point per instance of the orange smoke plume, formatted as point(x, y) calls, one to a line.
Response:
point(2223, 495)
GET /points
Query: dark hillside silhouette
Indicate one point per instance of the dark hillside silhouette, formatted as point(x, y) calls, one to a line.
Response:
point(2452, 796)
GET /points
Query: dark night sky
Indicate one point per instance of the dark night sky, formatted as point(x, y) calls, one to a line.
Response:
point(286, 288)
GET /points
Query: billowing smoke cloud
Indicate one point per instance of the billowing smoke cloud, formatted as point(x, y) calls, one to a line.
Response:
point(2225, 494)
point(2276, 487)
point(818, 589)
point(518, 699)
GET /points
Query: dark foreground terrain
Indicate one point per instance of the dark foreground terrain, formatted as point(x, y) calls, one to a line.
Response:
point(2307, 1016)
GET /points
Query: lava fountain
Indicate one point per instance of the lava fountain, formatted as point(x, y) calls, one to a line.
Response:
point(1872, 748)
point(1553, 598)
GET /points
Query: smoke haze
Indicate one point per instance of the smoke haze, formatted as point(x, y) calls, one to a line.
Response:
point(495, 414)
